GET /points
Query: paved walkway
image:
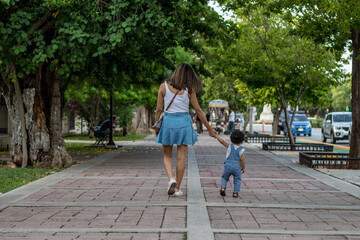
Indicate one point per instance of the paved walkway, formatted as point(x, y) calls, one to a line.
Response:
point(122, 195)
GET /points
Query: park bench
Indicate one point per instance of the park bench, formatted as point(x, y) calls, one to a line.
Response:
point(100, 137)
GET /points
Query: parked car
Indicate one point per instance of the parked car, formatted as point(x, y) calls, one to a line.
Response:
point(282, 124)
point(336, 126)
point(300, 125)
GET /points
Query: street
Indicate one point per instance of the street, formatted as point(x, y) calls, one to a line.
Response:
point(315, 136)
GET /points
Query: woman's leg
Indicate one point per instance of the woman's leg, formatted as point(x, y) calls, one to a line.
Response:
point(180, 166)
point(167, 152)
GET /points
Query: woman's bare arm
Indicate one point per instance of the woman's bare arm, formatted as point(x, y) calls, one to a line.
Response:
point(160, 101)
point(200, 113)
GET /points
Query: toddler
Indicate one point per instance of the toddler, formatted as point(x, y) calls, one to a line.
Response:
point(235, 162)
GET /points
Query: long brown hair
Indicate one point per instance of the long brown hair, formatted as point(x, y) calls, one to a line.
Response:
point(184, 77)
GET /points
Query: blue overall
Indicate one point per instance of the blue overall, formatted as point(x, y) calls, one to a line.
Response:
point(232, 167)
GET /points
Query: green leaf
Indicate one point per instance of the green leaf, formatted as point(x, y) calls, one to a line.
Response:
point(43, 57)
point(20, 75)
point(128, 29)
point(23, 35)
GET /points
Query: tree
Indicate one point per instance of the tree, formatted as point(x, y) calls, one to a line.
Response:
point(336, 24)
point(30, 51)
point(268, 55)
point(341, 97)
point(89, 100)
point(45, 45)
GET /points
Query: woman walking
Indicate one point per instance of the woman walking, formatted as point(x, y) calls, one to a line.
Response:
point(176, 128)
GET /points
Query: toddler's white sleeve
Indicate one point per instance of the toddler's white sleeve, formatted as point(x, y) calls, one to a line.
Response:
point(241, 152)
point(228, 151)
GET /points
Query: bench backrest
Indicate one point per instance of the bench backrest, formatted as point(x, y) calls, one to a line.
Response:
point(96, 128)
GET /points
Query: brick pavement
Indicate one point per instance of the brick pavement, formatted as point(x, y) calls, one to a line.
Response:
point(122, 195)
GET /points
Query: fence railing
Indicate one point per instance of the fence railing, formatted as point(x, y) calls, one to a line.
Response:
point(297, 147)
point(262, 138)
point(328, 160)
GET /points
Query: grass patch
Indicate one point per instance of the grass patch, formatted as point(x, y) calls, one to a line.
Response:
point(117, 137)
point(80, 148)
point(341, 150)
point(11, 178)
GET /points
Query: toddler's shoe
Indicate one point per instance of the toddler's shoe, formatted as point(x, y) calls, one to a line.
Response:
point(171, 186)
point(222, 192)
point(178, 193)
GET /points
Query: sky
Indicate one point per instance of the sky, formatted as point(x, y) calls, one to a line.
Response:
point(227, 16)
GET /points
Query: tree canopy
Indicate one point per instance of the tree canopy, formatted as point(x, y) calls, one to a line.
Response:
point(46, 45)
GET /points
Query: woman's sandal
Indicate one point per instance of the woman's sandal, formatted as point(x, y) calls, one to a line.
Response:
point(235, 194)
point(222, 192)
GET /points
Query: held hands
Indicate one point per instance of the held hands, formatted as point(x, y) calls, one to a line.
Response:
point(217, 136)
point(212, 133)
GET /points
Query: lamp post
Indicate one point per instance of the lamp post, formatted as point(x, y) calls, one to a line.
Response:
point(111, 142)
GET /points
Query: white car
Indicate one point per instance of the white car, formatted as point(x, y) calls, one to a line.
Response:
point(336, 126)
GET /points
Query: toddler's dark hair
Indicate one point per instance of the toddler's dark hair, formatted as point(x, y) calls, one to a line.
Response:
point(237, 137)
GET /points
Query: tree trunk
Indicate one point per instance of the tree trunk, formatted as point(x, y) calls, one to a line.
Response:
point(124, 129)
point(355, 100)
point(150, 117)
point(38, 138)
point(16, 149)
point(282, 96)
point(93, 112)
point(42, 120)
point(246, 121)
point(20, 105)
point(276, 121)
point(60, 156)
point(140, 122)
point(288, 126)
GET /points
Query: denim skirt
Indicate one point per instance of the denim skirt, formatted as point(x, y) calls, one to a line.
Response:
point(177, 128)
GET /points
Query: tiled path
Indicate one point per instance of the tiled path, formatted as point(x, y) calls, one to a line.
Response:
point(122, 195)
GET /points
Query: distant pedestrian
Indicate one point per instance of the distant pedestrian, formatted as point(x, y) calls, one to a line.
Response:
point(207, 116)
point(176, 128)
point(199, 126)
point(235, 162)
point(231, 120)
point(105, 126)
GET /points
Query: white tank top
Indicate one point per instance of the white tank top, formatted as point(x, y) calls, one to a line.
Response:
point(180, 103)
